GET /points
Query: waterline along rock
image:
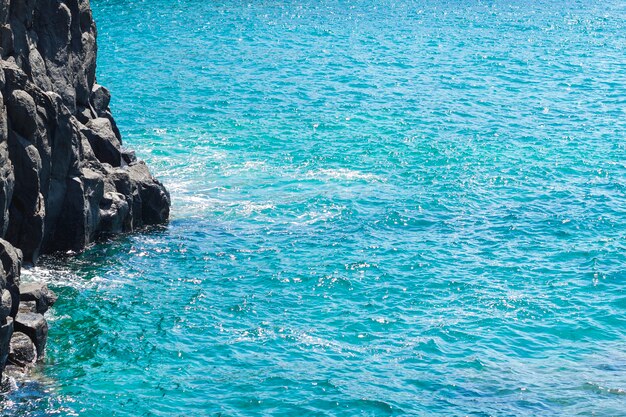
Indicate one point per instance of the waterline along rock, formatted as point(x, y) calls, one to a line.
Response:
point(65, 178)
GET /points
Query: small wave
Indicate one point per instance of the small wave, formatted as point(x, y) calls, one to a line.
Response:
point(194, 205)
point(315, 216)
point(315, 342)
point(591, 386)
point(356, 266)
point(248, 208)
point(378, 405)
point(342, 174)
point(380, 320)
point(241, 168)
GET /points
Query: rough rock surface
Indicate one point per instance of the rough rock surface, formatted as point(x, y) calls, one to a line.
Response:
point(11, 263)
point(65, 177)
point(39, 294)
point(34, 326)
point(22, 351)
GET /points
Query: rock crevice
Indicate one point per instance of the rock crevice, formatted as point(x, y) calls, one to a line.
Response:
point(65, 177)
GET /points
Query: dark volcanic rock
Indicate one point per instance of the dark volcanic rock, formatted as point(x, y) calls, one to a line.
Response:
point(40, 294)
point(22, 350)
point(22, 113)
point(100, 99)
point(11, 259)
point(6, 331)
point(11, 263)
point(155, 200)
point(27, 307)
point(105, 145)
point(65, 177)
point(35, 327)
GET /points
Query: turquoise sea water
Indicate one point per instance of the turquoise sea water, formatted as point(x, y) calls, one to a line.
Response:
point(380, 208)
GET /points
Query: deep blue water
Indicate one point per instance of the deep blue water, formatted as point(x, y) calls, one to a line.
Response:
point(380, 208)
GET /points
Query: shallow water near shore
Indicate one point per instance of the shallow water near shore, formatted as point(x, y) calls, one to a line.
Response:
point(379, 208)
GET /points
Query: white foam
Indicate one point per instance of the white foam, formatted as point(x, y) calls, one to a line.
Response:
point(342, 174)
point(248, 208)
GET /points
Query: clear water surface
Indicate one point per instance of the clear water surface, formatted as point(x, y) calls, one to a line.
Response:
point(380, 208)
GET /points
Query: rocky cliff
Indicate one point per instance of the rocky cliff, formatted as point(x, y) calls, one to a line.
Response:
point(65, 178)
